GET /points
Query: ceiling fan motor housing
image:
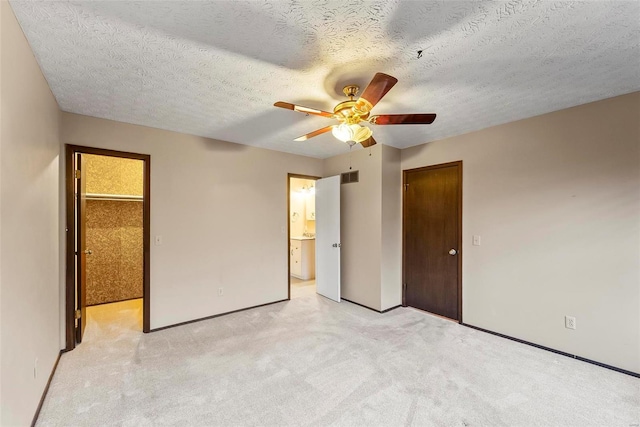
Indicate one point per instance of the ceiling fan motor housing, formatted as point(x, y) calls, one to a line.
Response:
point(345, 112)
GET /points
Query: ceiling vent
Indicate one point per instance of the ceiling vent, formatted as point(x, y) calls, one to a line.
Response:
point(349, 177)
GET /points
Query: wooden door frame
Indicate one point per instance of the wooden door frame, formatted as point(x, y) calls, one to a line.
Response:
point(458, 164)
point(289, 176)
point(70, 273)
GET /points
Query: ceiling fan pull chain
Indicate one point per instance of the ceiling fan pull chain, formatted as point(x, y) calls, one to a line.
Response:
point(350, 147)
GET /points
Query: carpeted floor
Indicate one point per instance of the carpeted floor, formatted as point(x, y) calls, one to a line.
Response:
point(310, 361)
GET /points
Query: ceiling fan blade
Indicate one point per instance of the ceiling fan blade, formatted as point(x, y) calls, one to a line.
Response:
point(314, 133)
point(402, 119)
point(379, 86)
point(368, 142)
point(301, 109)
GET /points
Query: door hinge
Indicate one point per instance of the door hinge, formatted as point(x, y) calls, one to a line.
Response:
point(77, 314)
point(406, 186)
point(77, 173)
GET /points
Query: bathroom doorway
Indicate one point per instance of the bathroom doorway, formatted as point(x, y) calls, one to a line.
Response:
point(107, 244)
point(302, 235)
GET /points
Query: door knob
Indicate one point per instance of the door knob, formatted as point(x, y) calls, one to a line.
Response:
point(88, 251)
point(452, 252)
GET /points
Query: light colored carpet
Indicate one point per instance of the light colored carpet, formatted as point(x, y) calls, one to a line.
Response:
point(310, 361)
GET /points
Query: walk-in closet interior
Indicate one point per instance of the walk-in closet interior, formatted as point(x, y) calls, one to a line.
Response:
point(114, 232)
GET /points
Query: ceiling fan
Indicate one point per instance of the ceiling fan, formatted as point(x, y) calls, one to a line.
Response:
point(350, 113)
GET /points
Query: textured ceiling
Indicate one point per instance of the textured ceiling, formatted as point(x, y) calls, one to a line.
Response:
point(215, 68)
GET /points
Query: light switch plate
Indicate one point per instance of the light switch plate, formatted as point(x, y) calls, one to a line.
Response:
point(476, 240)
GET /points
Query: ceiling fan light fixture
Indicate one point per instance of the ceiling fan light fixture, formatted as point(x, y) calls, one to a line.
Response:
point(351, 133)
point(350, 113)
point(363, 134)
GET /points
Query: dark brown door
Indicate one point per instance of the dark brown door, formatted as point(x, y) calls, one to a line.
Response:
point(432, 232)
point(82, 251)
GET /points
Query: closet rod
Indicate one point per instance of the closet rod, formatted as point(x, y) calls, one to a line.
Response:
point(114, 197)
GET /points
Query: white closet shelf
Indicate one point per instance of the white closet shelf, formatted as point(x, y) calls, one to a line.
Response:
point(115, 197)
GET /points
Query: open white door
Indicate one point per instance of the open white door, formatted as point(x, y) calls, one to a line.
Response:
point(328, 237)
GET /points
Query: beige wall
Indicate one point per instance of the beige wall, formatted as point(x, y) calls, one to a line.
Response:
point(29, 262)
point(391, 232)
point(221, 210)
point(556, 201)
point(360, 219)
point(371, 261)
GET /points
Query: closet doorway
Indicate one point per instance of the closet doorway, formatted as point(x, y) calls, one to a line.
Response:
point(108, 243)
point(301, 222)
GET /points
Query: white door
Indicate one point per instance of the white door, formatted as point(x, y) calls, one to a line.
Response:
point(328, 237)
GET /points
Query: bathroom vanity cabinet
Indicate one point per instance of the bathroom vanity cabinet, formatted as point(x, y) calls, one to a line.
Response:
point(302, 254)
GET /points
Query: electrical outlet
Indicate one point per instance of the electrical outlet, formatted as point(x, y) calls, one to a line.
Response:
point(220, 292)
point(569, 322)
point(35, 368)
